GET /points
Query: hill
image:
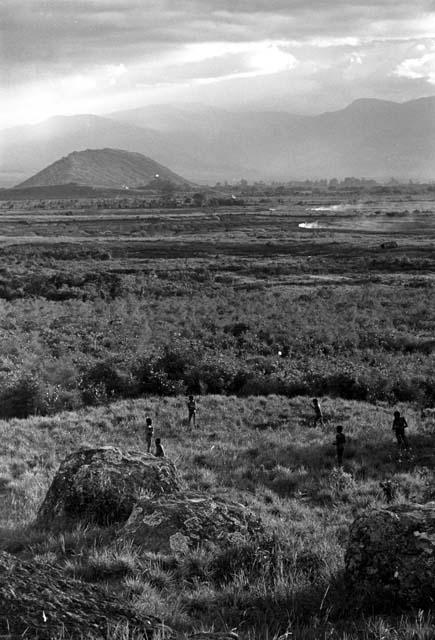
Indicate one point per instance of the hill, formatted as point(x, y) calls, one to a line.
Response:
point(28, 149)
point(369, 138)
point(110, 168)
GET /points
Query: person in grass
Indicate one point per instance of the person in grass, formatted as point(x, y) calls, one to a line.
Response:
point(340, 441)
point(318, 415)
point(149, 433)
point(399, 426)
point(191, 407)
point(160, 452)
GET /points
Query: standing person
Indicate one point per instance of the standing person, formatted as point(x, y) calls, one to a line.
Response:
point(318, 415)
point(160, 452)
point(149, 433)
point(399, 426)
point(340, 441)
point(191, 407)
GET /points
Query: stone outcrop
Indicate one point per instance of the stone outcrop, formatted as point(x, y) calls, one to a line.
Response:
point(391, 556)
point(102, 485)
point(178, 522)
point(37, 601)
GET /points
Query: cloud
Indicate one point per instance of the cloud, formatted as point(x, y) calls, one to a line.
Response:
point(229, 59)
point(68, 32)
point(417, 68)
point(115, 51)
point(114, 72)
point(356, 57)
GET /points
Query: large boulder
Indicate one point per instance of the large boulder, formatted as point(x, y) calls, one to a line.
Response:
point(391, 556)
point(38, 601)
point(102, 485)
point(179, 522)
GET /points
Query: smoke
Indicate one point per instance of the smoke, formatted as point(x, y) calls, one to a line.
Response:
point(391, 220)
point(309, 225)
point(338, 207)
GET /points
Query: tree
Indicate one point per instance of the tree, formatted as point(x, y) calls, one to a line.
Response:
point(198, 199)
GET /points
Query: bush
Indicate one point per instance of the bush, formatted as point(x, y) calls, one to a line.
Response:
point(175, 361)
point(151, 379)
point(215, 374)
point(55, 399)
point(264, 386)
point(22, 398)
point(104, 380)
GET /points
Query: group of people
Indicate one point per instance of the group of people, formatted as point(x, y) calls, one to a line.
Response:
point(399, 426)
point(159, 452)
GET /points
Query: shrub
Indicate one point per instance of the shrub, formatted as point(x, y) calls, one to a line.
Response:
point(54, 398)
point(151, 379)
point(22, 398)
point(104, 380)
point(257, 385)
point(214, 374)
point(175, 360)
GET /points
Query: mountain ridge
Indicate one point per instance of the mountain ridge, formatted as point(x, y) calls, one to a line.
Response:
point(368, 138)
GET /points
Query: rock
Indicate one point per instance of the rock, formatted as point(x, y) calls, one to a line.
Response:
point(102, 485)
point(37, 601)
point(391, 556)
point(179, 522)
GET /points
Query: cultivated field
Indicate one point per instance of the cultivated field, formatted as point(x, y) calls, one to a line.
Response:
point(107, 316)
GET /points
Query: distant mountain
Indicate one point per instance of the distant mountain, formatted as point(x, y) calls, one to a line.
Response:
point(369, 138)
point(103, 168)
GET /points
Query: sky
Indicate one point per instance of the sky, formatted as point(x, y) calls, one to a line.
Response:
point(98, 56)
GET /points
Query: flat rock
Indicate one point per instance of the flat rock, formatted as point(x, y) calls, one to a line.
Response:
point(176, 523)
point(102, 485)
point(390, 556)
point(37, 601)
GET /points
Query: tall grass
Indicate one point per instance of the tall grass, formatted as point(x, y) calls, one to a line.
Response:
point(261, 451)
point(357, 343)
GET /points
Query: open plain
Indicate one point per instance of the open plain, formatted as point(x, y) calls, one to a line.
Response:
point(112, 313)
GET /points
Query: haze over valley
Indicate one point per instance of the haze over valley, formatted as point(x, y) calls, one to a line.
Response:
point(370, 138)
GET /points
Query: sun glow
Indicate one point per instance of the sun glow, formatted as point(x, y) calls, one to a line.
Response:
point(271, 58)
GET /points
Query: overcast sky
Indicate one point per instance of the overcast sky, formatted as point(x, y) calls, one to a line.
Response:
point(97, 56)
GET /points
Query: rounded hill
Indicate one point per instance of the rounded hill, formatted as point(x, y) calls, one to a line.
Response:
point(112, 168)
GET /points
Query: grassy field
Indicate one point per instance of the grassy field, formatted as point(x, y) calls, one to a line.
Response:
point(260, 451)
point(106, 317)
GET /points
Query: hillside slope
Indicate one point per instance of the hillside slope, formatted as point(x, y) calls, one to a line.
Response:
point(103, 168)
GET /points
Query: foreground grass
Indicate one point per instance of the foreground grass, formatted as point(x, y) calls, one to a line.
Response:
point(260, 451)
